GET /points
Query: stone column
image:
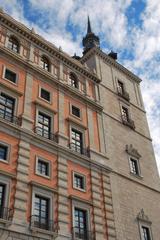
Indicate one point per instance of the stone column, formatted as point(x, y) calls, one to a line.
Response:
point(96, 197)
point(63, 208)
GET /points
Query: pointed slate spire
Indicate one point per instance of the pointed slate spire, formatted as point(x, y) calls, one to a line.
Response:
point(89, 30)
point(90, 40)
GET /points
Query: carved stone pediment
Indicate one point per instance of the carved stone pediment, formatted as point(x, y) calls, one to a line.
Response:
point(142, 217)
point(132, 151)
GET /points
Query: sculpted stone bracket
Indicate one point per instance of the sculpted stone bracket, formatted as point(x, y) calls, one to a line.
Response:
point(143, 217)
point(132, 151)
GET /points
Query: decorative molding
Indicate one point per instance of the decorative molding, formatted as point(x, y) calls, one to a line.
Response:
point(47, 46)
point(132, 151)
point(143, 217)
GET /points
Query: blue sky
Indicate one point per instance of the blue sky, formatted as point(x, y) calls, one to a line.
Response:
point(129, 27)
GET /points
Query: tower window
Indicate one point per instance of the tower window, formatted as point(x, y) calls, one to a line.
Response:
point(120, 87)
point(146, 233)
point(13, 44)
point(134, 166)
point(125, 115)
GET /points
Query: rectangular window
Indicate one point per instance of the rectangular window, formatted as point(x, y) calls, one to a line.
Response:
point(7, 105)
point(11, 76)
point(146, 233)
point(41, 212)
point(42, 167)
point(79, 181)
point(76, 141)
point(76, 111)
point(2, 194)
point(120, 87)
point(3, 152)
point(134, 166)
point(44, 125)
point(45, 95)
point(80, 223)
point(125, 115)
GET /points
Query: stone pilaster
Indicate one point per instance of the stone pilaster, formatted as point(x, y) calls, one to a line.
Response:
point(101, 133)
point(26, 117)
point(108, 206)
point(96, 198)
point(21, 195)
point(63, 208)
point(62, 138)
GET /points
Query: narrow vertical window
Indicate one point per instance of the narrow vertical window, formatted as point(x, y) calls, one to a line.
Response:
point(80, 223)
point(73, 81)
point(44, 125)
point(45, 63)
point(41, 212)
point(125, 115)
point(76, 141)
point(7, 105)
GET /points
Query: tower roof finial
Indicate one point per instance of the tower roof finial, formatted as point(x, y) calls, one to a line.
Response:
point(89, 30)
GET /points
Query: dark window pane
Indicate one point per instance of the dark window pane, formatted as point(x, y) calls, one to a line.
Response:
point(125, 114)
point(3, 152)
point(45, 94)
point(45, 63)
point(76, 111)
point(134, 166)
point(6, 107)
point(11, 76)
point(2, 194)
point(43, 168)
point(79, 181)
point(73, 81)
point(146, 233)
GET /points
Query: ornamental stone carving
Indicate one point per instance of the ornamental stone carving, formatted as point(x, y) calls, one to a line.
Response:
point(132, 151)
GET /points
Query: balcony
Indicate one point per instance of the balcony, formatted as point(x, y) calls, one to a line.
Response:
point(6, 213)
point(9, 117)
point(43, 224)
point(45, 134)
point(128, 122)
point(81, 233)
point(123, 94)
point(80, 150)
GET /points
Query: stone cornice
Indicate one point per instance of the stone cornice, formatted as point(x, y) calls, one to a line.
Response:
point(110, 61)
point(31, 36)
point(31, 67)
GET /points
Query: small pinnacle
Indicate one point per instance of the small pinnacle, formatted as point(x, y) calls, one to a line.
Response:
point(33, 30)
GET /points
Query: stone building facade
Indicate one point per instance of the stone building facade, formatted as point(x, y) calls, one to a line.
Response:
point(76, 157)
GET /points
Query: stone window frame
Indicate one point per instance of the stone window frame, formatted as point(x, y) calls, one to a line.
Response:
point(134, 154)
point(2, 143)
point(49, 167)
point(13, 95)
point(143, 220)
point(84, 206)
point(12, 70)
point(46, 112)
point(80, 109)
point(81, 175)
point(46, 194)
point(6, 180)
point(11, 35)
point(138, 166)
point(39, 95)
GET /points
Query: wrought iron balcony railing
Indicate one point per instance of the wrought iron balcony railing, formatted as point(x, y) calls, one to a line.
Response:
point(79, 149)
point(128, 122)
point(6, 213)
point(43, 223)
point(123, 93)
point(46, 134)
point(9, 117)
point(81, 233)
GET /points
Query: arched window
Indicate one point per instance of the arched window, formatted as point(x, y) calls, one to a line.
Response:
point(45, 63)
point(73, 81)
point(13, 44)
